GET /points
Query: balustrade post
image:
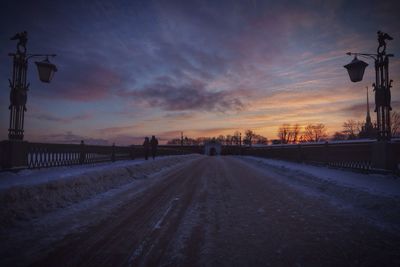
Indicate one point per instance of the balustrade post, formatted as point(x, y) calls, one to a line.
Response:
point(299, 153)
point(14, 154)
point(113, 152)
point(82, 153)
point(132, 152)
point(383, 156)
point(326, 153)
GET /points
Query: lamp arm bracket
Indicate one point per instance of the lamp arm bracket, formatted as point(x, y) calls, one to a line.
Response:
point(40, 55)
point(365, 55)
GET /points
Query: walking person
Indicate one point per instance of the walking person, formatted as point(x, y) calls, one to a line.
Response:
point(146, 145)
point(154, 144)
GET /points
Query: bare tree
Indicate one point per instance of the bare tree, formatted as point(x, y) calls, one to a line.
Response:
point(284, 133)
point(248, 137)
point(202, 140)
point(186, 141)
point(289, 134)
point(175, 141)
point(295, 133)
point(221, 139)
point(228, 139)
point(262, 140)
point(236, 137)
point(339, 136)
point(395, 123)
point(315, 132)
point(352, 129)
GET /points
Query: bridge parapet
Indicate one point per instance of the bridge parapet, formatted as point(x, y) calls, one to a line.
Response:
point(360, 155)
point(21, 154)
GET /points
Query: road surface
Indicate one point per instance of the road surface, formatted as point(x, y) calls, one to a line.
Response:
point(223, 211)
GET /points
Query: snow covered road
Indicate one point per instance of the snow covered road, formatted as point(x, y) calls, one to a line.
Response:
point(222, 211)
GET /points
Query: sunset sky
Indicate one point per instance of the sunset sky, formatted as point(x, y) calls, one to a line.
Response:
point(129, 69)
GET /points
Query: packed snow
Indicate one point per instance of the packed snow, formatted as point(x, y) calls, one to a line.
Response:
point(44, 175)
point(240, 198)
point(375, 197)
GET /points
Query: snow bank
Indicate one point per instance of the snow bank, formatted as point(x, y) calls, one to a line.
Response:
point(375, 197)
point(37, 176)
point(377, 184)
point(31, 193)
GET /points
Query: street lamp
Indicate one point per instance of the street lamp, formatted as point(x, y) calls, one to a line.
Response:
point(46, 70)
point(382, 83)
point(19, 86)
point(356, 69)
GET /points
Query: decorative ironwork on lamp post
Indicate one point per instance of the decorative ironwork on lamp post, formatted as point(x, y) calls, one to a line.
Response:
point(382, 83)
point(19, 86)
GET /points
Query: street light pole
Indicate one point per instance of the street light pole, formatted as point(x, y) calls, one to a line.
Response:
point(381, 86)
point(382, 91)
point(19, 86)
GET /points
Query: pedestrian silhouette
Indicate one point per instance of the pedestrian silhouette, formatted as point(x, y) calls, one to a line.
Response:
point(154, 144)
point(146, 145)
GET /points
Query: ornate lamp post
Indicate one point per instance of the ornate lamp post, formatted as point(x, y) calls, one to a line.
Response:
point(19, 86)
point(382, 83)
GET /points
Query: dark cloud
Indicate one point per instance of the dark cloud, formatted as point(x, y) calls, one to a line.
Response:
point(70, 138)
point(82, 82)
point(128, 140)
point(358, 110)
point(117, 130)
point(53, 118)
point(361, 109)
point(187, 56)
point(190, 96)
point(179, 115)
point(167, 135)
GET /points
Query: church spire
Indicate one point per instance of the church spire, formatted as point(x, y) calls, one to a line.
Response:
point(368, 119)
point(368, 130)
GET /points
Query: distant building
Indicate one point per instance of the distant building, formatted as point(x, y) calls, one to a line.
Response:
point(276, 142)
point(212, 148)
point(368, 130)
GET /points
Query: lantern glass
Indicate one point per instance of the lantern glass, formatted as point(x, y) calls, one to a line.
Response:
point(356, 69)
point(46, 70)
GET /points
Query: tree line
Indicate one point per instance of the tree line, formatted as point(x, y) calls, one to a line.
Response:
point(293, 134)
point(248, 138)
point(355, 129)
point(351, 130)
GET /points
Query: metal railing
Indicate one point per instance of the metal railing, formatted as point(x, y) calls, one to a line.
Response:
point(21, 155)
point(42, 155)
point(355, 155)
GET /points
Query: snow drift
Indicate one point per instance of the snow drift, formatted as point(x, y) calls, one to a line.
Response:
point(36, 192)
